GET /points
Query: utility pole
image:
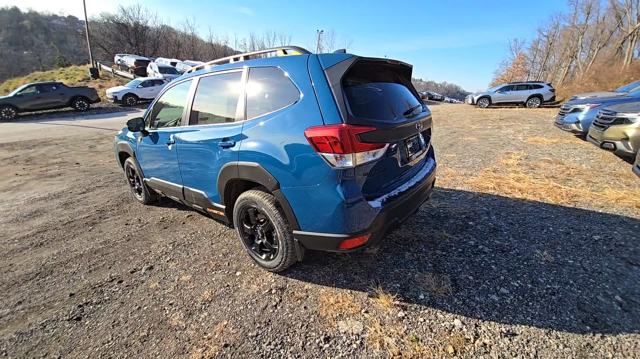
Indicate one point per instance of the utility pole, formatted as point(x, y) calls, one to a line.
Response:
point(92, 69)
point(319, 41)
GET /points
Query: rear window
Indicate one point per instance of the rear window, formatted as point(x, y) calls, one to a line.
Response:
point(379, 92)
point(269, 89)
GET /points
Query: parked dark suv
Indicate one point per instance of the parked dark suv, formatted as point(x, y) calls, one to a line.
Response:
point(46, 96)
point(296, 150)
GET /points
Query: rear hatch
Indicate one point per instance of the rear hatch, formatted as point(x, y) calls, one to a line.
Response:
point(377, 93)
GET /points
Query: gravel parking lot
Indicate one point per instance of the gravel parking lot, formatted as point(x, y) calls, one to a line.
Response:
point(530, 247)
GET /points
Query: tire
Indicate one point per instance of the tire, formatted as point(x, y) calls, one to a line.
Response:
point(140, 191)
point(483, 102)
point(264, 231)
point(8, 113)
point(81, 104)
point(533, 102)
point(130, 100)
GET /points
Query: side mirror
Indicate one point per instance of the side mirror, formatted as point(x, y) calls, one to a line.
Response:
point(136, 125)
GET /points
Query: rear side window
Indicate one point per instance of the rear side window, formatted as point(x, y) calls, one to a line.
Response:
point(167, 111)
point(378, 92)
point(47, 88)
point(216, 99)
point(269, 89)
point(521, 88)
point(536, 87)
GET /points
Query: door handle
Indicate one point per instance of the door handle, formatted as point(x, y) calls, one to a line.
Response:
point(171, 141)
point(227, 144)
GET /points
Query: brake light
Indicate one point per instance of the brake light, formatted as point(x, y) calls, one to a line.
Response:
point(354, 242)
point(341, 146)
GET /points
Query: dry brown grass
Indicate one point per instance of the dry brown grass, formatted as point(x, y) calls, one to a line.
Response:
point(71, 76)
point(384, 299)
point(548, 141)
point(333, 305)
point(551, 181)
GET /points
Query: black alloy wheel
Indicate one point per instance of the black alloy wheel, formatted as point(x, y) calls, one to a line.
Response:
point(80, 104)
point(8, 113)
point(135, 182)
point(259, 234)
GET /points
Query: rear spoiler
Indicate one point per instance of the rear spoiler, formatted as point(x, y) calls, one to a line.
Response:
point(337, 65)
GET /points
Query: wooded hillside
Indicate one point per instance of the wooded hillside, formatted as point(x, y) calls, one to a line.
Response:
point(593, 46)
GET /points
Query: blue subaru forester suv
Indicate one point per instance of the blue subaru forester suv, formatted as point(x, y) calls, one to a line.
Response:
point(295, 150)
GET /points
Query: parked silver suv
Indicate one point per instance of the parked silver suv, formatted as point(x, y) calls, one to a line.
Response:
point(532, 94)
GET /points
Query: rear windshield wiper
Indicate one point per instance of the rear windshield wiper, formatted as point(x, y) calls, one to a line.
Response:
point(410, 110)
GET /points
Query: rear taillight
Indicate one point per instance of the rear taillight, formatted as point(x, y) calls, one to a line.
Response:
point(341, 147)
point(552, 89)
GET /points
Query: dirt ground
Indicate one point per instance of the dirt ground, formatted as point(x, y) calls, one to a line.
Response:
point(530, 247)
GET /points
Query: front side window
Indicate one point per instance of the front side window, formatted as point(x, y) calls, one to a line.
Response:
point(506, 88)
point(133, 84)
point(216, 99)
point(167, 111)
point(31, 90)
point(269, 89)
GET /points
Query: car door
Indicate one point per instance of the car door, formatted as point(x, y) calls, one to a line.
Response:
point(28, 98)
point(50, 96)
point(147, 90)
point(520, 93)
point(156, 87)
point(213, 136)
point(504, 94)
point(157, 150)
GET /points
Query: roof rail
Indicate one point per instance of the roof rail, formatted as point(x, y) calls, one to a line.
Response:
point(526, 82)
point(275, 51)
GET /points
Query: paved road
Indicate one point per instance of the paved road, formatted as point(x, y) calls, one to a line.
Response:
point(44, 126)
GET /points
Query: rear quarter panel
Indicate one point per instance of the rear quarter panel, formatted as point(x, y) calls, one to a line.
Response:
point(276, 141)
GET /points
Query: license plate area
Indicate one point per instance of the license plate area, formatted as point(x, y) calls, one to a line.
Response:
point(415, 146)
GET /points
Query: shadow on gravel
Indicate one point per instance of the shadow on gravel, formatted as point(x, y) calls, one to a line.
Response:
point(504, 260)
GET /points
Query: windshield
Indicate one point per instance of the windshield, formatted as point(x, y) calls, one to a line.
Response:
point(18, 90)
point(167, 70)
point(494, 88)
point(133, 84)
point(629, 87)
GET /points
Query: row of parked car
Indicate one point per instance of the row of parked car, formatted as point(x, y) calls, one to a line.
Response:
point(434, 96)
point(608, 119)
point(153, 67)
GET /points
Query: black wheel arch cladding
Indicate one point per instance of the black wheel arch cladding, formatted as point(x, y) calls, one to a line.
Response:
point(254, 172)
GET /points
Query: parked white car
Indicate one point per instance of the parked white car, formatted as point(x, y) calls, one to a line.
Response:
point(140, 89)
point(186, 65)
point(167, 61)
point(168, 72)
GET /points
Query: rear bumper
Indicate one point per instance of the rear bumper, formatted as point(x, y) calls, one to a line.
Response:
point(395, 210)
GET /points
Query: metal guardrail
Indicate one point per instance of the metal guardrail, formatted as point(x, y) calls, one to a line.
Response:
point(111, 69)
